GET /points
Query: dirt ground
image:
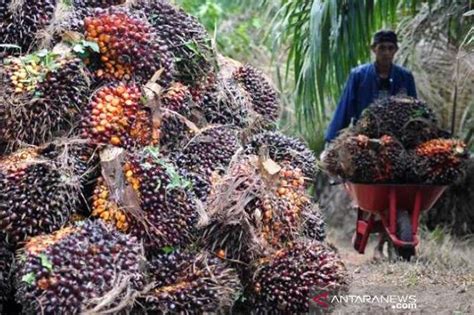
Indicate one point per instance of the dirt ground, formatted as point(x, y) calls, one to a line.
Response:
point(439, 286)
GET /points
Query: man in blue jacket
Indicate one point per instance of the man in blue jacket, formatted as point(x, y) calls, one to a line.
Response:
point(370, 81)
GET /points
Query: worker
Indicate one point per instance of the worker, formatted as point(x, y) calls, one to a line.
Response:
point(371, 81)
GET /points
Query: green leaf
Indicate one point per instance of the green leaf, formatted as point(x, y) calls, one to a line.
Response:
point(78, 49)
point(92, 45)
point(168, 249)
point(29, 278)
point(42, 53)
point(45, 262)
point(10, 46)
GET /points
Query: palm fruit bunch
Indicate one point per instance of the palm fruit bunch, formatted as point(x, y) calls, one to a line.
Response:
point(96, 3)
point(188, 41)
point(225, 102)
point(21, 22)
point(6, 260)
point(364, 160)
point(417, 131)
point(395, 116)
point(283, 283)
point(440, 161)
point(314, 227)
point(129, 48)
point(41, 96)
point(115, 115)
point(167, 214)
point(208, 154)
point(37, 195)
point(264, 98)
point(282, 148)
point(185, 281)
point(252, 213)
point(84, 267)
point(178, 113)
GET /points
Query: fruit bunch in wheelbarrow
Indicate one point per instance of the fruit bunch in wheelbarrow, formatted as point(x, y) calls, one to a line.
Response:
point(397, 140)
point(141, 172)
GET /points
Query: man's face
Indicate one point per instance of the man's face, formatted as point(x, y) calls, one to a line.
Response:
point(384, 52)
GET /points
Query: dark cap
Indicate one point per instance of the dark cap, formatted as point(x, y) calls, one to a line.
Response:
point(384, 36)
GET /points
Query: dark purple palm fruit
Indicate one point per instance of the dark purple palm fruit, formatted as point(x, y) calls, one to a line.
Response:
point(86, 267)
point(314, 227)
point(169, 209)
point(264, 97)
point(285, 281)
point(187, 39)
point(129, 47)
point(393, 116)
point(190, 282)
point(96, 3)
point(281, 148)
point(6, 260)
point(225, 102)
point(179, 115)
point(21, 23)
point(37, 195)
point(208, 154)
point(41, 96)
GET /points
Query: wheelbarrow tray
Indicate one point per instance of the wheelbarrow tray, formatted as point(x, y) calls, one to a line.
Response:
point(376, 197)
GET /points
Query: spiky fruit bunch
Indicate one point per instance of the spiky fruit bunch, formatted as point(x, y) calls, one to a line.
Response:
point(116, 116)
point(79, 268)
point(189, 282)
point(96, 3)
point(6, 260)
point(390, 116)
point(364, 160)
point(21, 21)
point(225, 102)
point(314, 227)
point(282, 148)
point(165, 212)
point(208, 153)
point(129, 48)
point(285, 281)
point(178, 114)
point(265, 100)
point(37, 195)
point(41, 96)
point(416, 132)
point(187, 39)
point(440, 161)
point(252, 213)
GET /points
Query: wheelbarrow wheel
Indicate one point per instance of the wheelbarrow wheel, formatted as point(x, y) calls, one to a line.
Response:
point(404, 233)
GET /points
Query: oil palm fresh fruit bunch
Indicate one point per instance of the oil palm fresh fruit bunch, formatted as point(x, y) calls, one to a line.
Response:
point(207, 155)
point(37, 195)
point(227, 103)
point(190, 282)
point(129, 47)
point(265, 101)
point(314, 227)
point(281, 148)
point(284, 281)
point(21, 23)
point(116, 115)
point(440, 161)
point(42, 95)
point(178, 115)
point(396, 116)
point(187, 39)
point(96, 3)
point(6, 261)
point(364, 160)
point(167, 214)
point(252, 213)
point(84, 267)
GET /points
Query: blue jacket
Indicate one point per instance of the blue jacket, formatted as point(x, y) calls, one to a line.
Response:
point(361, 89)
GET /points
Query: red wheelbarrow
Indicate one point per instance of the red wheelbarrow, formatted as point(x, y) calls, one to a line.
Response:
point(391, 209)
